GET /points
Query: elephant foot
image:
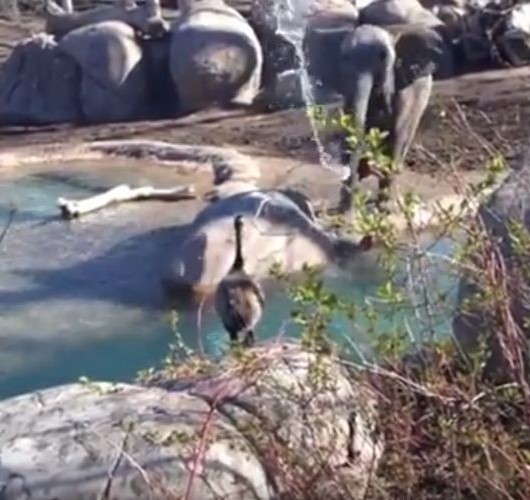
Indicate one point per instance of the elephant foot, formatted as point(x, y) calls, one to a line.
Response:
point(365, 169)
point(382, 204)
point(383, 207)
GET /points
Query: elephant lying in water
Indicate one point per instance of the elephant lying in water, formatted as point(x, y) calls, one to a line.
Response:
point(280, 229)
point(385, 77)
point(215, 56)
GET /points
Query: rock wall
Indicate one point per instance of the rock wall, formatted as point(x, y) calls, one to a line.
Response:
point(39, 84)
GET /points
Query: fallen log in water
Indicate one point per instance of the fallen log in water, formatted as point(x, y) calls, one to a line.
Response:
point(119, 194)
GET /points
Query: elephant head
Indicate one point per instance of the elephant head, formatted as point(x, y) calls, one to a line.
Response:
point(354, 61)
point(366, 68)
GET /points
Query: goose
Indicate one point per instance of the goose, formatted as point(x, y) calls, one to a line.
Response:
point(239, 299)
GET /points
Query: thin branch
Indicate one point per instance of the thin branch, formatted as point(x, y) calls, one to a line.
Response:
point(10, 219)
point(104, 495)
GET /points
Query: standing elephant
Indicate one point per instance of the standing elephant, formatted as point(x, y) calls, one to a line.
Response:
point(385, 78)
point(215, 56)
point(394, 12)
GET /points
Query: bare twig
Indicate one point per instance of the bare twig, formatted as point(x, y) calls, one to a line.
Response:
point(10, 219)
point(104, 495)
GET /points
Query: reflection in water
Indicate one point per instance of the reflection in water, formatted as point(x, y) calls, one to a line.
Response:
point(83, 298)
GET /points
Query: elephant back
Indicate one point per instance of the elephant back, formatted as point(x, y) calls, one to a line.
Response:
point(391, 12)
point(280, 54)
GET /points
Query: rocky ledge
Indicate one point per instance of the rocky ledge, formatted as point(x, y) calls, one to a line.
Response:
point(279, 421)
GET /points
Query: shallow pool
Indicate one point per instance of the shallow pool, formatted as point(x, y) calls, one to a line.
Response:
point(82, 298)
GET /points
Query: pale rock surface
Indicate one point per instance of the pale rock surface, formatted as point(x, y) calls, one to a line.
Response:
point(99, 440)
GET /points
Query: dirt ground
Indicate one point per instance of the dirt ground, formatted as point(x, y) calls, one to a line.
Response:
point(470, 119)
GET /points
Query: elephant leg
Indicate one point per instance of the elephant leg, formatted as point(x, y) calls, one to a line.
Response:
point(411, 103)
point(410, 106)
point(346, 185)
point(350, 185)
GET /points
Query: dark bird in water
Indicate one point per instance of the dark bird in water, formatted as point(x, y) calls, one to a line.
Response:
point(239, 299)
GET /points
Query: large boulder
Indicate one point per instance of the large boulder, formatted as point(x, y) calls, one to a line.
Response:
point(479, 317)
point(262, 430)
point(215, 56)
point(289, 90)
point(39, 84)
point(385, 12)
point(277, 16)
point(276, 27)
point(514, 38)
point(279, 230)
point(114, 79)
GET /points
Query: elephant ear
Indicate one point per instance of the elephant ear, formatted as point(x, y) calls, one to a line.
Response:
point(418, 50)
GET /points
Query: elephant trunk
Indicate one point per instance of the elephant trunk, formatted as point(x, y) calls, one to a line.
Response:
point(356, 102)
point(389, 88)
point(357, 99)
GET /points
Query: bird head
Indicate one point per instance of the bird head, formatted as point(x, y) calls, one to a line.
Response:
point(238, 222)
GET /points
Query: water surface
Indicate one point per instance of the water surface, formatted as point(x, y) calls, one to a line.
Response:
point(82, 298)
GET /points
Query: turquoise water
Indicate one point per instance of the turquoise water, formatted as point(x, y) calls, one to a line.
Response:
point(82, 298)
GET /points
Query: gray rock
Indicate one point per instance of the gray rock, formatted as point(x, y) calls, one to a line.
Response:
point(145, 18)
point(278, 15)
point(123, 442)
point(279, 52)
point(114, 79)
point(287, 91)
point(39, 84)
point(475, 320)
point(215, 56)
point(514, 42)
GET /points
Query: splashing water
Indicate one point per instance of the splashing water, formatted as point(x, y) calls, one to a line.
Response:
point(291, 20)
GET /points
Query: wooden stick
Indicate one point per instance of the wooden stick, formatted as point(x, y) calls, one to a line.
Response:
point(119, 194)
